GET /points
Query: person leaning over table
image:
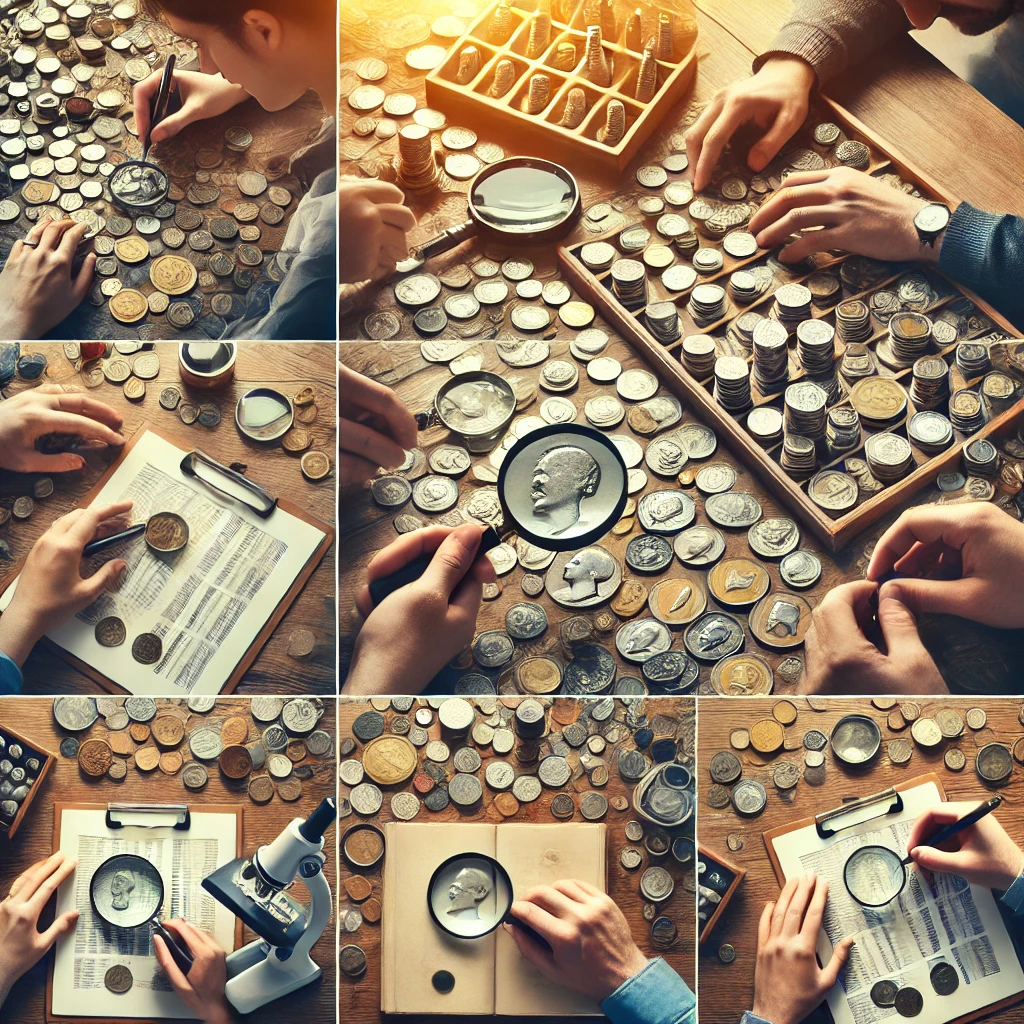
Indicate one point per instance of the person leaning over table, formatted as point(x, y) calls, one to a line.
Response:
point(854, 211)
point(51, 589)
point(789, 984)
point(23, 945)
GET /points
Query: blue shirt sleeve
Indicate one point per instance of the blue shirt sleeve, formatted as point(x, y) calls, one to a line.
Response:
point(749, 1017)
point(657, 995)
point(10, 676)
point(1014, 896)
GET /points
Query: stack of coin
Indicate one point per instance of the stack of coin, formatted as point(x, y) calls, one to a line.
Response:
point(665, 50)
point(765, 425)
point(972, 359)
point(792, 305)
point(575, 109)
point(741, 330)
point(815, 346)
point(564, 57)
point(999, 392)
point(707, 304)
point(663, 321)
point(880, 401)
point(799, 459)
point(501, 24)
point(417, 167)
point(909, 335)
point(842, 431)
point(980, 458)
point(504, 78)
point(856, 362)
point(707, 260)
point(687, 242)
point(966, 412)
point(930, 387)
point(698, 355)
point(732, 383)
point(744, 287)
point(853, 321)
point(805, 409)
point(771, 355)
point(930, 431)
point(647, 79)
point(889, 456)
point(597, 256)
point(540, 34)
point(629, 283)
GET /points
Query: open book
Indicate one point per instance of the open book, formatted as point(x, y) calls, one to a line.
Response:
point(491, 976)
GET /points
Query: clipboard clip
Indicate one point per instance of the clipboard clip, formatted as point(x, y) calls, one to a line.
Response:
point(227, 483)
point(179, 815)
point(890, 798)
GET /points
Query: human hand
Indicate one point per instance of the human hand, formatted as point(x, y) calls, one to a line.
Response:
point(373, 225)
point(38, 286)
point(375, 428)
point(51, 588)
point(855, 212)
point(46, 410)
point(202, 990)
point(983, 853)
point(414, 632)
point(788, 983)
point(965, 560)
point(842, 659)
point(202, 96)
point(777, 98)
point(22, 945)
point(592, 949)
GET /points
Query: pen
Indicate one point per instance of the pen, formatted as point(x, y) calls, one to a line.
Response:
point(96, 546)
point(956, 827)
point(163, 95)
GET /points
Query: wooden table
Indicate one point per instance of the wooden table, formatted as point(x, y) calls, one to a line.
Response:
point(360, 999)
point(287, 367)
point(260, 825)
point(727, 990)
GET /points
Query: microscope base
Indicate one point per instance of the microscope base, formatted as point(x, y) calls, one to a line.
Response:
point(256, 977)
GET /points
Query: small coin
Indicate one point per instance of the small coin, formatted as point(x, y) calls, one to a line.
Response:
point(118, 979)
point(194, 776)
point(147, 648)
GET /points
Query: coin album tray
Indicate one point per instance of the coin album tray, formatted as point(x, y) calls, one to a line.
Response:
point(832, 529)
point(46, 762)
point(716, 860)
point(540, 134)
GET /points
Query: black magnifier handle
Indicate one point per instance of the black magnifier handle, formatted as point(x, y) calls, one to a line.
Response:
point(181, 957)
point(96, 546)
point(448, 239)
point(412, 571)
point(160, 102)
point(956, 827)
point(511, 919)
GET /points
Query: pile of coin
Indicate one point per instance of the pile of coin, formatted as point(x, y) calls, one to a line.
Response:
point(629, 283)
point(909, 337)
point(816, 348)
point(771, 355)
point(930, 431)
point(416, 164)
point(853, 321)
point(663, 321)
point(799, 458)
point(792, 306)
point(698, 355)
point(972, 359)
point(707, 304)
point(805, 410)
point(842, 429)
point(732, 383)
point(980, 458)
point(966, 411)
point(889, 456)
point(930, 387)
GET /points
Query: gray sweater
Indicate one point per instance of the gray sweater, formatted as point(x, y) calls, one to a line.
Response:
point(983, 251)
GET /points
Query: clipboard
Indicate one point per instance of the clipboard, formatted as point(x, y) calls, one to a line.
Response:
point(107, 810)
point(832, 822)
point(249, 656)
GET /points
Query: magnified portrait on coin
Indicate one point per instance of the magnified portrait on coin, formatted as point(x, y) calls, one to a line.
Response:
point(469, 889)
point(562, 479)
point(584, 573)
point(122, 885)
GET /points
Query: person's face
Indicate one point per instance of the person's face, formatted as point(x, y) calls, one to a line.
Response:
point(551, 486)
point(573, 570)
point(972, 17)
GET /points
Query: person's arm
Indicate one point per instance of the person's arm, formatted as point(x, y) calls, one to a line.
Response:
point(657, 995)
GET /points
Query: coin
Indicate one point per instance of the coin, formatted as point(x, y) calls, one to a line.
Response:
point(883, 993)
point(75, 713)
point(786, 775)
point(118, 979)
point(994, 763)
point(733, 509)
point(147, 648)
point(738, 581)
point(389, 760)
point(261, 789)
point(94, 757)
point(899, 751)
point(194, 776)
point(128, 306)
point(945, 979)
point(352, 961)
point(172, 275)
point(168, 731)
point(976, 718)
point(908, 1001)
point(926, 733)
point(714, 636)
point(749, 797)
point(781, 620)
point(205, 743)
point(954, 759)
point(950, 724)
point(725, 768)
point(767, 736)
point(110, 631)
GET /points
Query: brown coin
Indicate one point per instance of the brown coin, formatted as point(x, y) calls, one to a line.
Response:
point(118, 979)
point(166, 531)
point(296, 440)
point(261, 789)
point(118, 770)
point(896, 721)
point(315, 465)
point(134, 389)
point(767, 736)
point(121, 743)
point(389, 760)
point(301, 643)
point(358, 888)
point(618, 803)
point(94, 758)
point(171, 762)
point(235, 761)
point(506, 804)
point(955, 759)
point(784, 712)
point(1018, 750)
point(234, 730)
point(371, 910)
point(181, 314)
point(140, 732)
point(296, 750)
point(289, 789)
point(110, 632)
point(738, 581)
point(307, 413)
point(147, 758)
point(168, 731)
point(631, 597)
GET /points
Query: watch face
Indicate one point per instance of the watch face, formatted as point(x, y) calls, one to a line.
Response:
point(933, 218)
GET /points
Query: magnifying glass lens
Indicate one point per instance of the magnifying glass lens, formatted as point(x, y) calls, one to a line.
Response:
point(523, 199)
point(469, 896)
point(127, 891)
point(874, 875)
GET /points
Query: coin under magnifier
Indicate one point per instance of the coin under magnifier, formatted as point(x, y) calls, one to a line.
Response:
point(469, 895)
point(874, 875)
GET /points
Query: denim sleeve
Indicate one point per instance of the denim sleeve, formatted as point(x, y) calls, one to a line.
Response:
point(10, 676)
point(749, 1017)
point(1014, 896)
point(657, 995)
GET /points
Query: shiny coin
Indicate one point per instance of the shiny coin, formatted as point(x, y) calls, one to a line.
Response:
point(714, 636)
point(855, 739)
point(738, 581)
point(749, 797)
point(742, 675)
point(733, 509)
point(800, 569)
point(699, 546)
point(781, 620)
point(773, 538)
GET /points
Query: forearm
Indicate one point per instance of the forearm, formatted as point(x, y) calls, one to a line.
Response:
point(657, 995)
point(18, 635)
point(833, 35)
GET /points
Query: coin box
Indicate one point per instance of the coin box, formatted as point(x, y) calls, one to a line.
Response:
point(540, 134)
point(29, 750)
point(732, 874)
point(880, 285)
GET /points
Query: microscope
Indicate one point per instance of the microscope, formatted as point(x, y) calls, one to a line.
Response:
point(253, 889)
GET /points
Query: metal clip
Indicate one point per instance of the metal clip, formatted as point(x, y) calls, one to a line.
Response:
point(179, 812)
point(895, 805)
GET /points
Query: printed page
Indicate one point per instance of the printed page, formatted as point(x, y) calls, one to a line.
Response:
point(208, 602)
point(83, 958)
point(930, 922)
point(539, 855)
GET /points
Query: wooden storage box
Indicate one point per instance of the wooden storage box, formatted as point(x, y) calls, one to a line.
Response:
point(31, 749)
point(705, 856)
point(540, 134)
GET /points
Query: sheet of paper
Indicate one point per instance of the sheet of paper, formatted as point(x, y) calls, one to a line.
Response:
point(947, 919)
point(207, 603)
point(83, 958)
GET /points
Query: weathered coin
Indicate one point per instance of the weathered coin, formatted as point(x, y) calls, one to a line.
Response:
point(128, 306)
point(749, 797)
point(69, 747)
point(261, 789)
point(994, 763)
point(742, 675)
point(738, 581)
point(725, 768)
point(194, 776)
point(733, 509)
point(781, 620)
point(352, 961)
point(110, 631)
point(908, 1002)
point(118, 978)
point(945, 979)
point(786, 775)
point(883, 993)
point(94, 757)
point(147, 648)
point(954, 759)
point(976, 718)
point(900, 751)
point(389, 760)
point(75, 713)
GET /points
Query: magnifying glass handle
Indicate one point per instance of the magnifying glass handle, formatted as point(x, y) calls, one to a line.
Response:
point(511, 919)
point(448, 239)
point(181, 957)
point(412, 571)
point(956, 827)
point(96, 546)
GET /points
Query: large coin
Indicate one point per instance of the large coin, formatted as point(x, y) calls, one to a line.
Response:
point(994, 763)
point(581, 579)
point(128, 306)
point(738, 581)
point(389, 760)
point(75, 713)
point(742, 675)
point(119, 978)
point(714, 636)
point(774, 537)
point(945, 979)
point(883, 993)
point(173, 275)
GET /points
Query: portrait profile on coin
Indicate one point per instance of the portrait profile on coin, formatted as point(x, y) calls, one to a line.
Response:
point(584, 574)
point(469, 889)
point(122, 885)
point(563, 478)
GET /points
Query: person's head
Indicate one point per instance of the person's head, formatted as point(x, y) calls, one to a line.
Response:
point(470, 887)
point(565, 474)
point(272, 49)
point(972, 17)
point(590, 563)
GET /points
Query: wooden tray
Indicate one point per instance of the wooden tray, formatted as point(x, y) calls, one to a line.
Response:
point(833, 531)
point(47, 760)
point(540, 134)
point(738, 873)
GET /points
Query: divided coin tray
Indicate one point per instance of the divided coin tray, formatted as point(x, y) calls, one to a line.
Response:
point(540, 134)
point(46, 762)
point(982, 322)
point(736, 875)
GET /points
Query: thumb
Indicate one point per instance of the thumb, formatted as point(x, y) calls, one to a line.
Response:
point(937, 596)
point(840, 954)
point(899, 625)
point(786, 124)
point(453, 559)
point(103, 579)
point(930, 858)
point(66, 462)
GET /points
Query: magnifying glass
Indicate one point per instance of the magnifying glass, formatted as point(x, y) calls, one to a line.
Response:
point(165, 533)
point(561, 488)
point(264, 414)
point(522, 200)
point(126, 891)
point(875, 875)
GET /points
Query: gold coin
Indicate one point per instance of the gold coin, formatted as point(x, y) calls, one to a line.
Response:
point(676, 602)
point(742, 675)
point(781, 620)
point(305, 396)
point(630, 598)
point(784, 712)
point(389, 760)
point(168, 731)
point(36, 192)
point(541, 674)
point(147, 759)
point(767, 736)
point(134, 389)
point(131, 249)
point(878, 398)
point(139, 731)
point(738, 581)
point(121, 743)
point(171, 762)
point(315, 465)
point(166, 531)
point(296, 440)
point(235, 730)
point(173, 275)
point(128, 306)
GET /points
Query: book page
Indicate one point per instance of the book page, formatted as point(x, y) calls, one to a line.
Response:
point(413, 948)
point(947, 919)
point(539, 855)
point(84, 956)
point(208, 602)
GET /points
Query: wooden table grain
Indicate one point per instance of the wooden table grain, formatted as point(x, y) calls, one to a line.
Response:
point(33, 719)
point(287, 367)
point(360, 999)
point(727, 990)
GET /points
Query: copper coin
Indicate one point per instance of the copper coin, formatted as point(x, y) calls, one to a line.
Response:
point(315, 465)
point(147, 758)
point(261, 789)
point(358, 888)
point(168, 731)
point(171, 762)
point(234, 730)
point(120, 742)
point(235, 761)
point(506, 804)
point(94, 758)
point(118, 770)
point(767, 736)
point(289, 789)
point(296, 440)
point(296, 751)
point(167, 532)
point(147, 648)
point(371, 910)
point(110, 632)
point(140, 731)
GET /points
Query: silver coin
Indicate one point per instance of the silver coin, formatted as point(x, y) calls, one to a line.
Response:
point(466, 760)
point(202, 705)
point(75, 713)
point(648, 553)
point(205, 743)
point(194, 776)
point(266, 709)
point(641, 639)
point(499, 775)
point(275, 739)
point(503, 741)
point(715, 479)
point(435, 494)
point(319, 743)
point(299, 716)
point(554, 771)
point(656, 884)
point(351, 772)
point(465, 790)
point(631, 858)
point(666, 511)
point(774, 537)
point(279, 766)
point(526, 620)
point(438, 751)
point(749, 797)
point(140, 709)
point(404, 806)
point(366, 799)
point(493, 649)
point(526, 788)
point(714, 636)
point(581, 579)
point(733, 508)
point(417, 290)
point(593, 806)
point(700, 545)
point(800, 569)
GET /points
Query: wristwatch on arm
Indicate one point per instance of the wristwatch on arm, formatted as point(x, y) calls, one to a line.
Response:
point(931, 221)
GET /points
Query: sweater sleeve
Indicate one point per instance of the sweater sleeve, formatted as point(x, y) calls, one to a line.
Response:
point(833, 35)
point(985, 252)
point(10, 675)
point(657, 995)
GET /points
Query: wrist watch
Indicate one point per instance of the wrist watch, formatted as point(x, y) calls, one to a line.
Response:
point(931, 221)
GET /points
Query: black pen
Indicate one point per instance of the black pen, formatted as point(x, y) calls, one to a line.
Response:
point(956, 827)
point(159, 109)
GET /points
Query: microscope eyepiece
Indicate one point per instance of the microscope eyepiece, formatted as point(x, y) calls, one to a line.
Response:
point(314, 827)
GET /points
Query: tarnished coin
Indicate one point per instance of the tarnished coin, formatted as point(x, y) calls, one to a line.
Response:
point(169, 398)
point(976, 718)
point(900, 751)
point(908, 1002)
point(194, 776)
point(954, 759)
point(883, 993)
point(118, 978)
point(261, 789)
point(205, 743)
point(945, 979)
point(994, 763)
point(94, 757)
point(714, 636)
point(147, 648)
point(786, 775)
point(725, 768)
point(749, 797)
point(950, 724)
point(110, 631)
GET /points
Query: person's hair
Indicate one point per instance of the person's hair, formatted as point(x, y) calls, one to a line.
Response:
point(227, 14)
